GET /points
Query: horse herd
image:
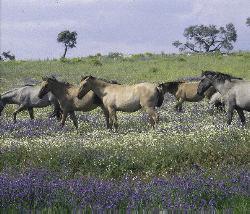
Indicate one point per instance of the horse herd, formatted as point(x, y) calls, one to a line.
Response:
point(111, 96)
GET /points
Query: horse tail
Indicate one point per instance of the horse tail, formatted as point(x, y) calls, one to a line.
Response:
point(6, 93)
point(160, 95)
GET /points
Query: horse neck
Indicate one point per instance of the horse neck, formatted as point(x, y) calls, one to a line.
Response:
point(98, 86)
point(58, 90)
point(223, 87)
point(173, 90)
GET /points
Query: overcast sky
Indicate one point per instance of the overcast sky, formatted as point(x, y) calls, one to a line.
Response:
point(29, 28)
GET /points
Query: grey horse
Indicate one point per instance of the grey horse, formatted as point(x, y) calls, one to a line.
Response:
point(235, 92)
point(26, 97)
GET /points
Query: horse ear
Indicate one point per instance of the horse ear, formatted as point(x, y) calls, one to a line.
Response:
point(83, 77)
point(53, 77)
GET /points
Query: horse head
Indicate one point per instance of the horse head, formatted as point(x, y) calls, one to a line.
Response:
point(85, 86)
point(46, 86)
point(210, 78)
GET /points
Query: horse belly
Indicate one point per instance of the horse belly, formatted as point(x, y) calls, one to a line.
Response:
point(194, 98)
point(244, 104)
point(85, 104)
point(34, 101)
point(130, 105)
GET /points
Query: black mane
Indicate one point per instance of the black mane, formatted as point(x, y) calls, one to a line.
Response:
point(219, 75)
point(53, 78)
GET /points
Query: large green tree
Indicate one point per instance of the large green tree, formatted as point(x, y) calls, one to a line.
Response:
point(202, 38)
point(68, 39)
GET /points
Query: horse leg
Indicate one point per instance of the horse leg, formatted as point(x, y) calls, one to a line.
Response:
point(74, 119)
point(115, 123)
point(106, 115)
point(230, 114)
point(178, 106)
point(31, 113)
point(57, 112)
point(241, 115)
point(64, 117)
point(153, 116)
point(113, 118)
point(20, 108)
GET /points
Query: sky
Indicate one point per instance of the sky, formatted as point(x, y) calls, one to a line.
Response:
point(29, 28)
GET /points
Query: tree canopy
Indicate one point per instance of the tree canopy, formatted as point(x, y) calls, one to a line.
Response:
point(8, 55)
point(202, 38)
point(248, 22)
point(69, 40)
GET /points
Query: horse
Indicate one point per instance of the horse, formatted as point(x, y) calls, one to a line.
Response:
point(234, 90)
point(26, 97)
point(125, 98)
point(66, 94)
point(185, 91)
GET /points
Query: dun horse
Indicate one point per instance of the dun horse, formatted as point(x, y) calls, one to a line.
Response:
point(235, 92)
point(185, 91)
point(126, 98)
point(26, 98)
point(67, 96)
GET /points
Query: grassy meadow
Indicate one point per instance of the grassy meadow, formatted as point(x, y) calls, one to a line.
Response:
point(192, 160)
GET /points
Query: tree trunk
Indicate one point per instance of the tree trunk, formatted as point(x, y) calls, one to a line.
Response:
point(65, 51)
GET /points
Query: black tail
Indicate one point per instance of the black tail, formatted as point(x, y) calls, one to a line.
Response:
point(160, 95)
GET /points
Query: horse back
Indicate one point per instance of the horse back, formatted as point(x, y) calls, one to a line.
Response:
point(188, 92)
point(131, 97)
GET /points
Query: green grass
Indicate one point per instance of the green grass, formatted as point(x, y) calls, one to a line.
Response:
point(179, 142)
point(128, 70)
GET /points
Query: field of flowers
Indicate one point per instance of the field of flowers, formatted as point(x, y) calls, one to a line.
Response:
point(192, 160)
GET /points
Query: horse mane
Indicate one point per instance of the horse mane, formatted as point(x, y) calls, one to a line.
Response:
point(30, 84)
point(220, 75)
point(102, 79)
point(189, 79)
point(9, 91)
point(53, 78)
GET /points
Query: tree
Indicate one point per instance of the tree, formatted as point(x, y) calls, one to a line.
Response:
point(69, 40)
point(8, 55)
point(201, 38)
point(248, 22)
